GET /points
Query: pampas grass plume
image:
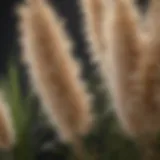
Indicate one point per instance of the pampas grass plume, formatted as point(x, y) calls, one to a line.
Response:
point(54, 73)
point(93, 16)
point(125, 46)
point(133, 58)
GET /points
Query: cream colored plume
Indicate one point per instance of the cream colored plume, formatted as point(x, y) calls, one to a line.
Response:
point(93, 17)
point(94, 13)
point(128, 77)
point(7, 135)
point(124, 47)
point(54, 73)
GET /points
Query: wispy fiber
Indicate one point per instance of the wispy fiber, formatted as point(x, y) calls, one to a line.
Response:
point(7, 135)
point(54, 73)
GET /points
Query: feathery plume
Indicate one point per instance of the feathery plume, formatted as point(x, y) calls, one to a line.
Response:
point(125, 43)
point(133, 58)
point(53, 71)
point(149, 79)
point(7, 136)
point(133, 75)
point(93, 15)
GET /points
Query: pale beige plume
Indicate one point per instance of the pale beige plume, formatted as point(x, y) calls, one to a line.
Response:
point(93, 17)
point(133, 74)
point(126, 44)
point(148, 73)
point(53, 70)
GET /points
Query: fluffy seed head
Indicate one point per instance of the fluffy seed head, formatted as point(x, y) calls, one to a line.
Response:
point(54, 73)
